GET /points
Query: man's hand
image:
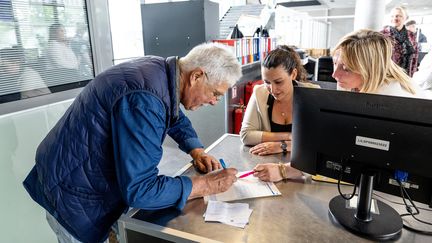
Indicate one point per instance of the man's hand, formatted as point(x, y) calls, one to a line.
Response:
point(267, 148)
point(212, 183)
point(204, 162)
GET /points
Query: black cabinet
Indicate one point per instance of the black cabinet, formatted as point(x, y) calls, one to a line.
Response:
point(174, 28)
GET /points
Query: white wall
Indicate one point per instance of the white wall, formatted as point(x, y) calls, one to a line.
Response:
point(297, 28)
point(339, 22)
point(340, 26)
point(126, 29)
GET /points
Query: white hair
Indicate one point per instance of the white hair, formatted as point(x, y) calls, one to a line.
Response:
point(217, 60)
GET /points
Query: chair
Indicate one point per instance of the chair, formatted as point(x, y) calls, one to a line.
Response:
point(324, 69)
point(310, 68)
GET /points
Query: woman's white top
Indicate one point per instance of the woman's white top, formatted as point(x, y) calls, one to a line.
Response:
point(61, 56)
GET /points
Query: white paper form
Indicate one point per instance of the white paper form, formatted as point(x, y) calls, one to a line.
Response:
point(248, 187)
point(234, 214)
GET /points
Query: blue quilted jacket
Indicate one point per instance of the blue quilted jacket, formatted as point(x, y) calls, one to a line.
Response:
point(74, 178)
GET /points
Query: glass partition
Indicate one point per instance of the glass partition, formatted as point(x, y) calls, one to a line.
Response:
point(44, 47)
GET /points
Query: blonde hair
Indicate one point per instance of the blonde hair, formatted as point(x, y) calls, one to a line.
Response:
point(368, 53)
point(402, 10)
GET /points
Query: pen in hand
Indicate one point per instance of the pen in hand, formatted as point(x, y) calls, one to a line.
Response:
point(222, 162)
point(247, 174)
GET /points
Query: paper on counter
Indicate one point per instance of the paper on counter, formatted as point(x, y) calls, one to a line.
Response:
point(248, 187)
point(234, 214)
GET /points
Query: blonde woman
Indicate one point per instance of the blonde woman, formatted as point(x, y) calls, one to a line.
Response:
point(362, 63)
point(405, 48)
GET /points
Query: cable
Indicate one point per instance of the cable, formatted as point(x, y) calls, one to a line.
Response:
point(417, 230)
point(398, 203)
point(408, 207)
point(410, 212)
point(403, 193)
point(338, 185)
point(419, 220)
point(415, 207)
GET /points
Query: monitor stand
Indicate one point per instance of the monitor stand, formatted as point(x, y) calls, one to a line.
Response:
point(385, 224)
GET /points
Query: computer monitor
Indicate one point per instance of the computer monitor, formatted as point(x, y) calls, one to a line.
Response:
point(379, 139)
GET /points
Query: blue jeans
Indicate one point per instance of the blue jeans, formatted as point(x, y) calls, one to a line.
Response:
point(63, 236)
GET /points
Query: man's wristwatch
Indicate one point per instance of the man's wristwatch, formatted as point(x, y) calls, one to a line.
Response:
point(284, 147)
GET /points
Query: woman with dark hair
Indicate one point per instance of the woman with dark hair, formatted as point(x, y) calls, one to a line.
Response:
point(60, 55)
point(268, 117)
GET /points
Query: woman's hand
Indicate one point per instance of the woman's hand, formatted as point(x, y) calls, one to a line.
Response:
point(268, 172)
point(267, 148)
point(271, 172)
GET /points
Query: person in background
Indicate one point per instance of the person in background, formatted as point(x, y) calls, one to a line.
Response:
point(267, 121)
point(59, 53)
point(362, 63)
point(405, 49)
point(411, 26)
point(101, 157)
point(421, 39)
point(13, 68)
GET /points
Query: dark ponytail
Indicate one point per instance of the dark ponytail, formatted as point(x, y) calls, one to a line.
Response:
point(288, 58)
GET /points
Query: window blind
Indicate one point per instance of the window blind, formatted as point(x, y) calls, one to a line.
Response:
point(44, 45)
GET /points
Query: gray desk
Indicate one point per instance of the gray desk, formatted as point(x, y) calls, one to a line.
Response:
point(299, 215)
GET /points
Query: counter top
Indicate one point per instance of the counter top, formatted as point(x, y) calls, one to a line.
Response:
point(299, 215)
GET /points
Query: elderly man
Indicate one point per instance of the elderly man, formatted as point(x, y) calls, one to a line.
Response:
point(101, 157)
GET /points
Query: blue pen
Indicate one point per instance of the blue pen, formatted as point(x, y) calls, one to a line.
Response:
point(222, 162)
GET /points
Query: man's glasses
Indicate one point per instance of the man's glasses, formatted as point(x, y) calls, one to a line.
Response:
point(216, 94)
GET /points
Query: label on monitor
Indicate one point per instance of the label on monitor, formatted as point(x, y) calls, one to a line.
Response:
point(372, 143)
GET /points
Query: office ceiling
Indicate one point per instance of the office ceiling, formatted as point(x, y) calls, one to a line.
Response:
point(414, 7)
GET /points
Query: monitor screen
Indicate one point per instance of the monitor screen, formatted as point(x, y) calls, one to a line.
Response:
point(373, 141)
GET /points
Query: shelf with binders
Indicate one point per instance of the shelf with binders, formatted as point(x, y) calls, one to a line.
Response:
point(250, 49)
point(249, 52)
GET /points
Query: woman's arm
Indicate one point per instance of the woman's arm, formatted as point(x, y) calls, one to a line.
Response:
point(275, 136)
point(276, 172)
point(253, 122)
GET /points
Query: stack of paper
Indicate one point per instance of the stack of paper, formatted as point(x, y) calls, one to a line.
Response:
point(234, 214)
